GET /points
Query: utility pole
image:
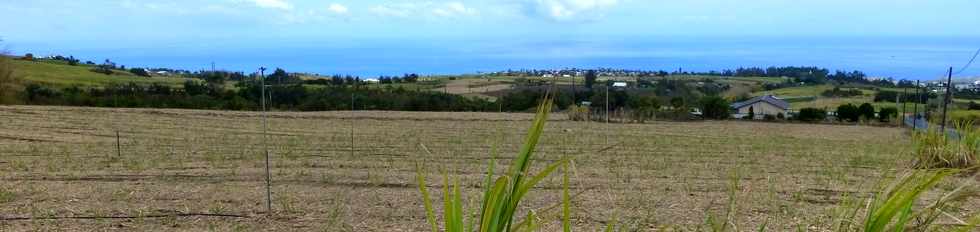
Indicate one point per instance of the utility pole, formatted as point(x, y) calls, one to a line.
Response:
point(915, 106)
point(265, 144)
point(352, 123)
point(905, 99)
point(949, 94)
point(897, 97)
point(574, 100)
point(118, 145)
point(607, 103)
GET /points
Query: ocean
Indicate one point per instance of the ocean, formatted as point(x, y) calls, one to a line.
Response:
point(921, 58)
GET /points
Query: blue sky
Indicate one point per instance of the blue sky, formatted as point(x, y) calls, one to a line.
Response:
point(153, 21)
point(192, 28)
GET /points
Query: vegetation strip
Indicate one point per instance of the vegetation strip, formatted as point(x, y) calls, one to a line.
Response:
point(125, 217)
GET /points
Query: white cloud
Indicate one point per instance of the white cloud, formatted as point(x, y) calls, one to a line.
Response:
point(274, 4)
point(401, 10)
point(572, 10)
point(424, 9)
point(453, 9)
point(337, 8)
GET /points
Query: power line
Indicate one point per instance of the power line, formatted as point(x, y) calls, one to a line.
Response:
point(968, 63)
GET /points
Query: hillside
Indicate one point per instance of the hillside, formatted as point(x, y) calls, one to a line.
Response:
point(63, 75)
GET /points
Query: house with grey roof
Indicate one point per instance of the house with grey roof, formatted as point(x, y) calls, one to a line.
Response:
point(761, 106)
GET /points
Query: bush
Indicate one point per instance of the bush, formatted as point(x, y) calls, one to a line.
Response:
point(890, 96)
point(837, 92)
point(973, 106)
point(38, 93)
point(714, 107)
point(139, 72)
point(886, 114)
point(812, 115)
point(866, 111)
point(641, 115)
point(769, 117)
point(964, 116)
point(578, 113)
point(848, 112)
point(102, 69)
point(9, 83)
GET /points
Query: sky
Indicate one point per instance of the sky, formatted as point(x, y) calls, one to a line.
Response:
point(192, 28)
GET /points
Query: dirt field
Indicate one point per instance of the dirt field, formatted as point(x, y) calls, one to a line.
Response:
point(203, 170)
point(476, 87)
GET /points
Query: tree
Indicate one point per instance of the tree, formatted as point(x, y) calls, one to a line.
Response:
point(886, 114)
point(9, 84)
point(411, 78)
point(139, 72)
point(277, 76)
point(677, 102)
point(105, 68)
point(28, 56)
point(194, 88)
point(848, 112)
point(866, 111)
point(715, 107)
point(811, 115)
point(643, 102)
point(590, 77)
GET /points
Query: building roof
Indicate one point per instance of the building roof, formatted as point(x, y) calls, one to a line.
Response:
point(766, 98)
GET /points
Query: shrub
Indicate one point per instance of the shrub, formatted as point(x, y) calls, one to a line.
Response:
point(9, 83)
point(578, 113)
point(641, 102)
point(837, 92)
point(769, 117)
point(886, 114)
point(714, 107)
point(866, 111)
point(812, 115)
point(641, 115)
point(139, 72)
point(39, 94)
point(964, 115)
point(848, 112)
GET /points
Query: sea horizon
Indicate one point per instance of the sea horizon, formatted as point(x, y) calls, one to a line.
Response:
point(898, 57)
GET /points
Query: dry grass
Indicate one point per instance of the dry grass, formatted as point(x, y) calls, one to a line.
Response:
point(476, 87)
point(61, 162)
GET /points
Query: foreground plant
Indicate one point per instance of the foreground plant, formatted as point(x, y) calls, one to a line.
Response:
point(501, 195)
point(893, 207)
point(935, 149)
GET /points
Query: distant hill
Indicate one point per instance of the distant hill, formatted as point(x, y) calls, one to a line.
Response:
point(57, 74)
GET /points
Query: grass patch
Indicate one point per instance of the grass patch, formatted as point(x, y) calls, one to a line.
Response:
point(894, 206)
point(937, 150)
point(61, 75)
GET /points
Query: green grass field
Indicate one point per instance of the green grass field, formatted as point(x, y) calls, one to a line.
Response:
point(61, 75)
